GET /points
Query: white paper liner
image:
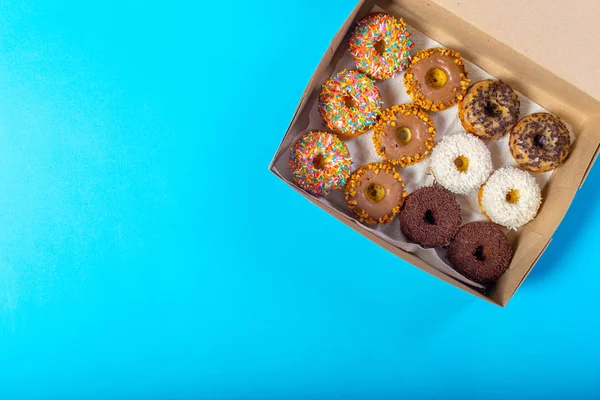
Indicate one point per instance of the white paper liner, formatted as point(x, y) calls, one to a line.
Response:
point(446, 122)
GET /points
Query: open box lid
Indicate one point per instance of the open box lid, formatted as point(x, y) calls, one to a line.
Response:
point(538, 29)
point(532, 79)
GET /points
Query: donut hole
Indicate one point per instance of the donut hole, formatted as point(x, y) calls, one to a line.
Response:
point(491, 109)
point(429, 218)
point(349, 101)
point(319, 161)
point(380, 46)
point(375, 193)
point(512, 196)
point(403, 135)
point(436, 78)
point(540, 141)
point(479, 253)
point(461, 163)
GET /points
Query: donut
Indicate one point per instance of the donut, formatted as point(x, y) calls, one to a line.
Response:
point(480, 252)
point(380, 45)
point(404, 134)
point(489, 109)
point(430, 216)
point(461, 163)
point(375, 192)
point(540, 142)
point(350, 103)
point(320, 162)
point(511, 197)
point(436, 79)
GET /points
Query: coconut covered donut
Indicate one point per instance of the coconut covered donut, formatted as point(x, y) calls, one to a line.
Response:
point(461, 163)
point(489, 109)
point(380, 45)
point(511, 197)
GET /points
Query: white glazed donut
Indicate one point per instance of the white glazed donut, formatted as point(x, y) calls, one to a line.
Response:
point(461, 163)
point(511, 197)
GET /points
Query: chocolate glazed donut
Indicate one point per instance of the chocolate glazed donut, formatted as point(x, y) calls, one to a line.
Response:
point(430, 216)
point(480, 252)
point(489, 109)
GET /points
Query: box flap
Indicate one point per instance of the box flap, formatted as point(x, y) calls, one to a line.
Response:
point(575, 30)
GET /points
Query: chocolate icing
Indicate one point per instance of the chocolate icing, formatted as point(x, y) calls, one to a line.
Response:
point(480, 252)
point(540, 142)
point(419, 135)
point(393, 194)
point(449, 66)
point(490, 109)
point(430, 216)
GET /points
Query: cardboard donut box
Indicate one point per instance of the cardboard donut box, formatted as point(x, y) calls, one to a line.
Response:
point(560, 97)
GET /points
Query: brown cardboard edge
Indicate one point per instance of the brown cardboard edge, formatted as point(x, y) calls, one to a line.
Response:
point(504, 301)
point(410, 258)
point(575, 108)
point(590, 166)
point(325, 60)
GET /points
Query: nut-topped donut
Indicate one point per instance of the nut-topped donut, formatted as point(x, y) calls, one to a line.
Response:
point(540, 142)
point(480, 252)
point(350, 103)
point(404, 134)
point(436, 79)
point(320, 162)
point(380, 45)
point(489, 109)
point(430, 216)
point(375, 192)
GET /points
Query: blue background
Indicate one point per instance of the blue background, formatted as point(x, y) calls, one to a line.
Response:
point(135, 137)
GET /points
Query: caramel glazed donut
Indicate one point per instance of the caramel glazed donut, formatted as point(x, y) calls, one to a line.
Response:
point(404, 134)
point(540, 142)
point(437, 79)
point(375, 192)
point(489, 109)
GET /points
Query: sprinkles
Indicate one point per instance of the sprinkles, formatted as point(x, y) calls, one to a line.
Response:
point(380, 45)
point(320, 162)
point(350, 103)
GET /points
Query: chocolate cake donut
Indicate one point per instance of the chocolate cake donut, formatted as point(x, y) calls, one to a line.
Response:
point(540, 142)
point(480, 252)
point(430, 216)
point(436, 79)
point(489, 109)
